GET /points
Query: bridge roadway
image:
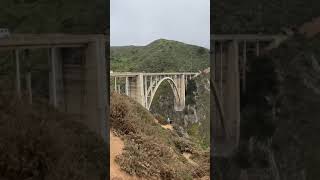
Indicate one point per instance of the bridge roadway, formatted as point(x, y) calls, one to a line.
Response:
point(142, 86)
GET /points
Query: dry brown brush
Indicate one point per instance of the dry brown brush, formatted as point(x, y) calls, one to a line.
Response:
point(39, 143)
point(151, 151)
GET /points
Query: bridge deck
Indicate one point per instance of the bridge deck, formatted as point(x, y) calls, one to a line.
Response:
point(29, 41)
point(247, 37)
point(131, 74)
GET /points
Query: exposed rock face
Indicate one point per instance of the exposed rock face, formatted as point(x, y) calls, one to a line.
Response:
point(190, 116)
point(181, 132)
point(196, 114)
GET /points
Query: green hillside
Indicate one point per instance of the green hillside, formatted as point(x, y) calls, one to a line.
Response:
point(160, 56)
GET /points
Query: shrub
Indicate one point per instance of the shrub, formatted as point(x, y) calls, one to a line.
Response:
point(150, 151)
point(38, 143)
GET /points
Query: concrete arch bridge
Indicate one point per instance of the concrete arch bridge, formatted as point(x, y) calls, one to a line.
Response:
point(142, 87)
point(229, 55)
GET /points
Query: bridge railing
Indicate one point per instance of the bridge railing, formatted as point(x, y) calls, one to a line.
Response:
point(150, 74)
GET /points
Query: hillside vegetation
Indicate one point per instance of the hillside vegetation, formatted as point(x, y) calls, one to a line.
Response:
point(152, 152)
point(160, 56)
point(36, 142)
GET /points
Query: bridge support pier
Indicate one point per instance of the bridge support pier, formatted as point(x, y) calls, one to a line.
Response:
point(127, 86)
point(56, 96)
point(140, 95)
point(18, 76)
point(232, 93)
point(179, 104)
point(84, 93)
point(225, 83)
point(95, 92)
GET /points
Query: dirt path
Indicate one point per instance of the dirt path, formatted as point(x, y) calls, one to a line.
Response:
point(187, 156)
point(116, 148)
point(168, 126)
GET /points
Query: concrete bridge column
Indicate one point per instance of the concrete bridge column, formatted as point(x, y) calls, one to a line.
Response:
point(52, 76)
point(232, 93)
point(132, 87)
point(244, 66)
point(179, 104)
point(18, 74)
point(56, 97)
point(140, 96)
point(26, 58)
point(29, 86)
point(218, 78)
point(146, 89)
point(95, 90)
point(119, 89)
point(127, 86)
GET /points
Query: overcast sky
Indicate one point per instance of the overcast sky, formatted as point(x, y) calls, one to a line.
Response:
point(139, 22)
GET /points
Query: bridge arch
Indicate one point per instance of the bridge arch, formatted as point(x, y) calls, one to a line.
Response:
point(151, 92)
point(142, 87)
